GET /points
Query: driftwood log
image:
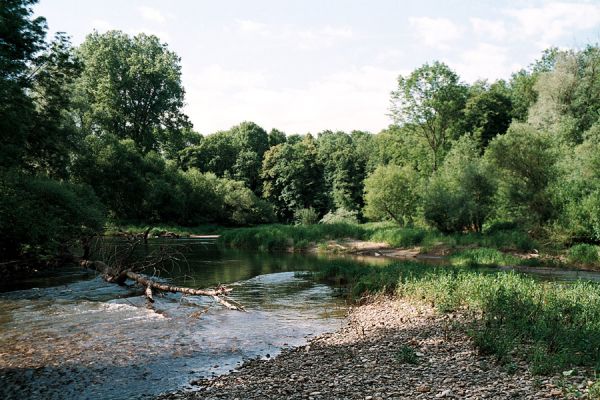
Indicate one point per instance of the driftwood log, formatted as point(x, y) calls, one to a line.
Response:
point(118, 272)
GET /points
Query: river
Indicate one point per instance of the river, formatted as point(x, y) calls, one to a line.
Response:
point(71, 335)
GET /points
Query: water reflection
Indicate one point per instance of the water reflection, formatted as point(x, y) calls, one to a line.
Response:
point(90, 339)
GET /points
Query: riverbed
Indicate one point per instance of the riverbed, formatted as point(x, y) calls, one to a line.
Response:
point(74, 336)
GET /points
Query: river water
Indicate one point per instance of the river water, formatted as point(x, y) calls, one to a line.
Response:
point(71, 335)
point(74, 336)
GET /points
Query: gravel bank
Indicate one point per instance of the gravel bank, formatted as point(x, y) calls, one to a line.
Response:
point(364, 360)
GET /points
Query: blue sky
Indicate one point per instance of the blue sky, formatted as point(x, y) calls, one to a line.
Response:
point(305, 66)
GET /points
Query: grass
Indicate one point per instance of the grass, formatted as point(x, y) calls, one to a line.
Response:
point(406, 355)
point(556, 326)
point(115, 228)
point(584, 254)
point(282, 237)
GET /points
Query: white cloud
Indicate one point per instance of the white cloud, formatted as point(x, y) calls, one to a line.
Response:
point(552, 21)
point(485, 61)
point(439, 33)
point(101, 25)
point(164, 36)
point(294, 36)
point(249, 26)
point(152, 14)
point(357, 98)
point(490, 29)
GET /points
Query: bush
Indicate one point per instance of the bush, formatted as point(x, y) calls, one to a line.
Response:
point(460, 195)
point(39, 215)
point(586, 254)
point(306, 216)
point(340, 216)
point(392, 193)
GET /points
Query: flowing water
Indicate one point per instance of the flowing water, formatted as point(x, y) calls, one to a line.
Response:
point(71, 335)
point(74, 336)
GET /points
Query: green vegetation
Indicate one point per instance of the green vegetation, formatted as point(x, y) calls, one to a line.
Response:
point(458, 160)
point(406, 355)
point(556, 326)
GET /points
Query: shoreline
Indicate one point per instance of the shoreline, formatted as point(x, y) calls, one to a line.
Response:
point(388, 349)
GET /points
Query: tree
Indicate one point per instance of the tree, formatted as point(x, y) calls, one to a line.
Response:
point(430, 101)
point(392, 192)
point(131, 88)
point(276, 137)
point(460, 195)
point(522, 83)
point(488, 111)
point(525, 162)
point(293, 178)
point(54, 137)
point(344, 169)
point(251, 142)
point(21, 39)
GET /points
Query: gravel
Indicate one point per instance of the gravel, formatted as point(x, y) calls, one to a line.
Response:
point(363, 360)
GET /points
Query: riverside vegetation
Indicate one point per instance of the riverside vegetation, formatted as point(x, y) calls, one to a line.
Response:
point(95, 136)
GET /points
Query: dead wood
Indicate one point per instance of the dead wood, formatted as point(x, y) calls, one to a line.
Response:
point(122, 267)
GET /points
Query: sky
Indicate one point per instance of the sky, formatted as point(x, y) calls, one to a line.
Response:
point(309, 65)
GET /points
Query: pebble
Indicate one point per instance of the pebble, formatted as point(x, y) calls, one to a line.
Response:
point(361, 361)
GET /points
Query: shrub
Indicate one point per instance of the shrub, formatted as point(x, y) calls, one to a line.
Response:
point(340, 216)
point(392, 193)
point(39, 215)
point(306, 216)
point(583, 254)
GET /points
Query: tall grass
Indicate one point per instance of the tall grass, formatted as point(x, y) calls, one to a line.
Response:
point(280, 237)
point(555, 325)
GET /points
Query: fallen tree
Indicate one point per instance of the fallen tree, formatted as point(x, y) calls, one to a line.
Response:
point(123, 263)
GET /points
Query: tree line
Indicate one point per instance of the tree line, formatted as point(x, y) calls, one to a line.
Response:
point(97, 132)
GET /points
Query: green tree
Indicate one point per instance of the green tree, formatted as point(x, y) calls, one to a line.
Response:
point(215, 153)
point(460, 195)
point(54, 137)
point(525, 161)
point(21, 39)
point(39, 216)
point(392, 192)
point(293, 178)
point(344, 169)
point(488, 111)
point(522, 84)
point(130, 87)
point(276, 137)
point(430, 101)
point(251, 142)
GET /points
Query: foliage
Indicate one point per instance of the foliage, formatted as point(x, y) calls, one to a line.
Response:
point(306, 216)
point(39, 216)
point(430, 101)
point(460, 195)
point(488, 111)
point(293, 178)
point(583, 253)
point(130, 87)
point(525, 162)
point(340, 216)
point(392, 192)
point(552, 324)
point(406, 355)
point(281, 237)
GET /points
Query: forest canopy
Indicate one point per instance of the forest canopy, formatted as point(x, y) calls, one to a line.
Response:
point(97, 132)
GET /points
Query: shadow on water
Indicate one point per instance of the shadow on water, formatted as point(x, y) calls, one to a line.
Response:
point(73, 336)
point(86, 338)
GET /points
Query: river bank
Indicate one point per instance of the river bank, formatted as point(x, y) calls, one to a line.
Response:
point(390, 349)
point(495, 247)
